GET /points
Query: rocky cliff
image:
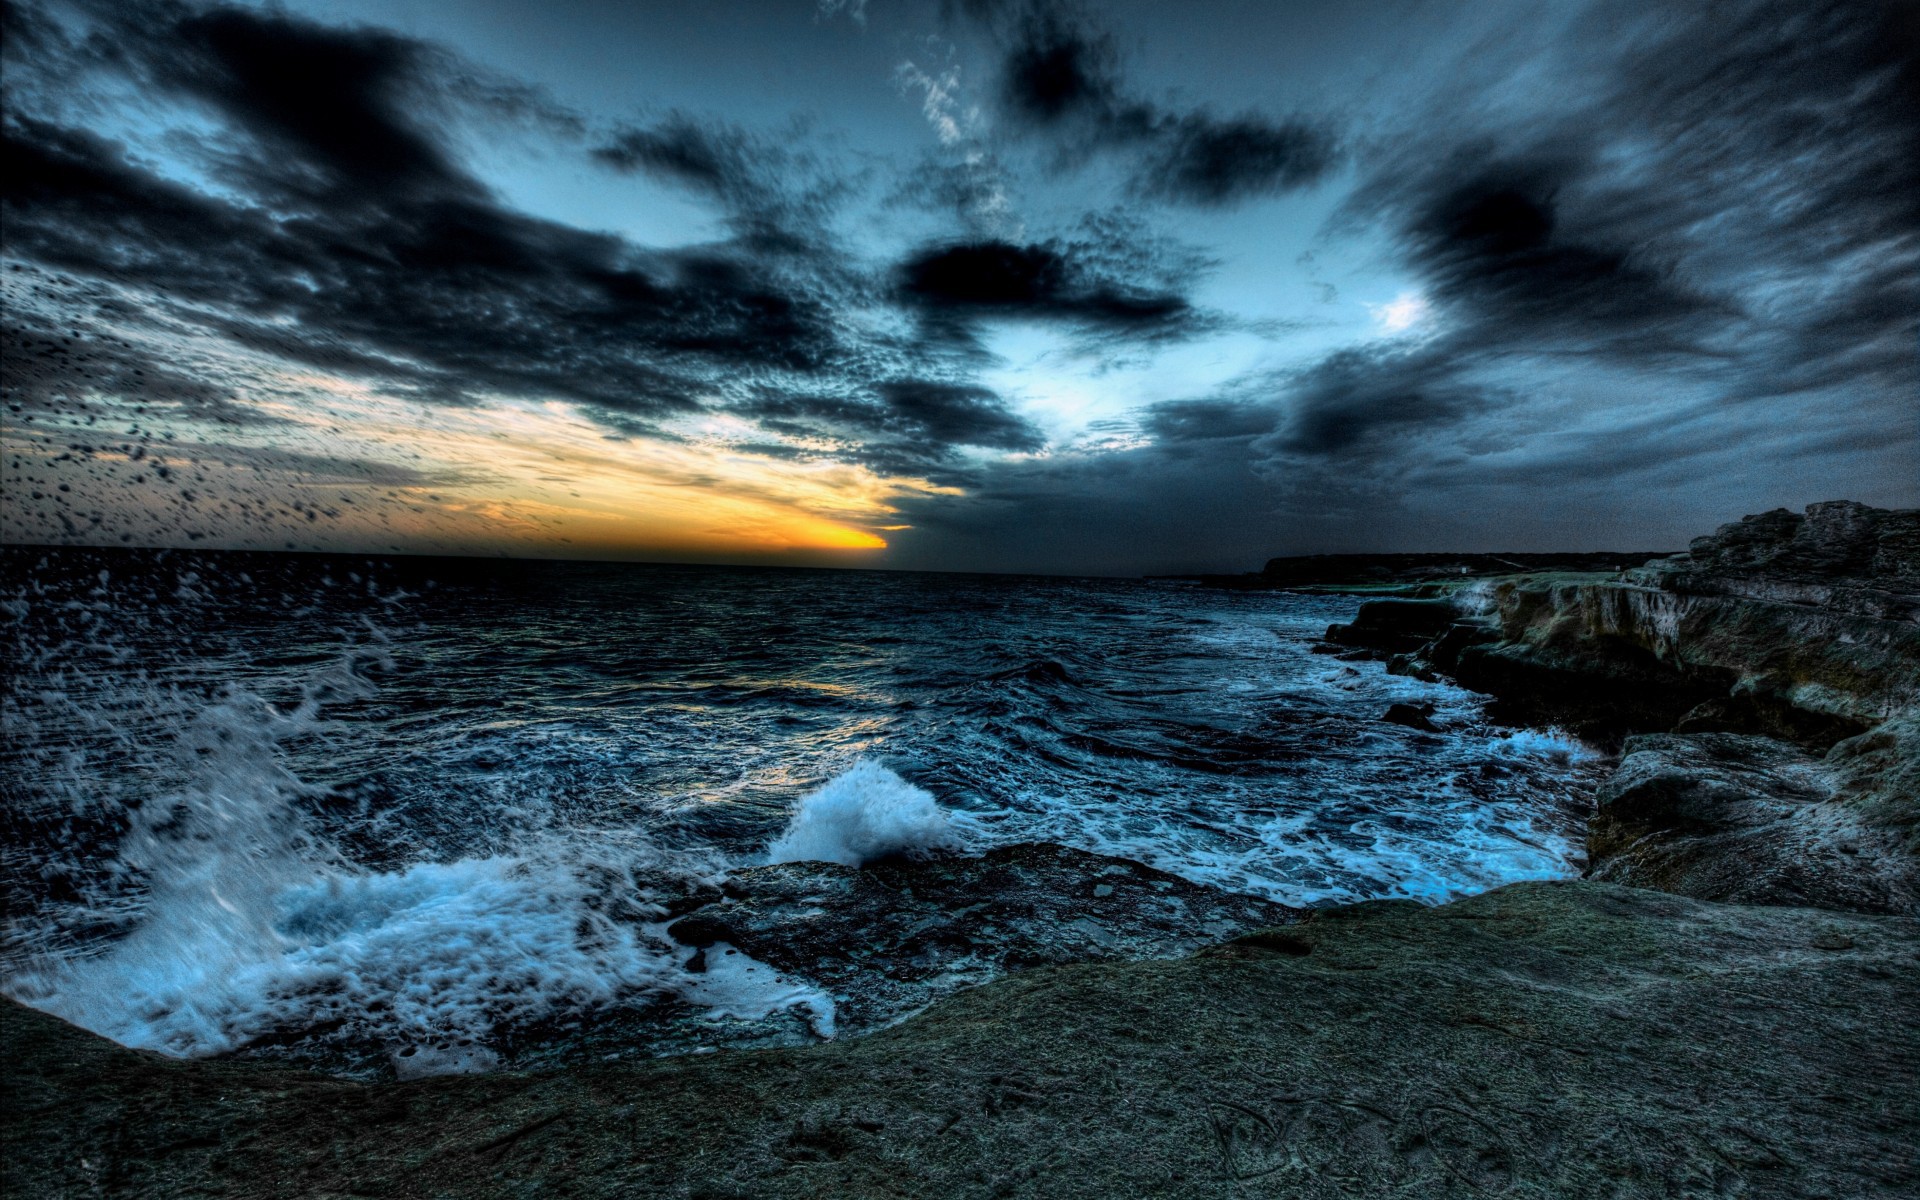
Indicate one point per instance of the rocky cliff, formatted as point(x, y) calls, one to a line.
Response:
point(1779, 656)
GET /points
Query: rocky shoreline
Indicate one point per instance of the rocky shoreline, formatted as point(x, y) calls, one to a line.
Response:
point(1763, 688)
point(1729, 1004)
point(1546, 1040)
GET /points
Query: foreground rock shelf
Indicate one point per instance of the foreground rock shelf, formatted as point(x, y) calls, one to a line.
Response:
point(1545, 1040)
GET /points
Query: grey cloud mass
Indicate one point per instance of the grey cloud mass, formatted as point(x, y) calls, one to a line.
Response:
point(1062, 76)
point(1654, 264)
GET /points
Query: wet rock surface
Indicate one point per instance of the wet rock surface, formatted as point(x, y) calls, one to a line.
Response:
point(1779, 658)
point(1747, 820)
point(888, 937)
point(1563, 1040)
point(1395, 625)
point(1413, 716)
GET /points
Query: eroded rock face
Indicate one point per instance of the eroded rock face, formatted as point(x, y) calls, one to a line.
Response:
point(1839, 554)
point(1781, 655)
point(1542, 1040)
point(891, 936)
point(1800, 627)
point(1746, 820)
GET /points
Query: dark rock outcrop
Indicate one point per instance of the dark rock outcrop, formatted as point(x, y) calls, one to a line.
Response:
point(1413, 716)
point(1540, 1040)
point(1748, 820)
point(1370, 572)
point(1839, 555)
point(888, 937)
point(1801, 628)
point(1395, 625)
point(1780, 656)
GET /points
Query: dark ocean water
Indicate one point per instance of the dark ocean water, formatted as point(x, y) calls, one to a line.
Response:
point(425, 798)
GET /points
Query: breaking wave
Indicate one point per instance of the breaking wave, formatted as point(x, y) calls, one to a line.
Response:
point(243, 822)
point(255, 928)
point(867, 812)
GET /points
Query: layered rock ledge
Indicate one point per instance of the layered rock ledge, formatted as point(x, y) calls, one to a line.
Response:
point(1779, 656)
point(1544, 1040)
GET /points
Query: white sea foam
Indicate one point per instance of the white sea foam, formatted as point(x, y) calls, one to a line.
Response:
point(1552, 745)
point(866, 812)
point(743, 988)
point(254, 926)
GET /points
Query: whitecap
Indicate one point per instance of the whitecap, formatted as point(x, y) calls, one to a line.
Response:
point(864, 813)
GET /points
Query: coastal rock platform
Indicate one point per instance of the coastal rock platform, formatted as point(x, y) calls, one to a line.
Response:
point(1725, 816)
point(1763, 689)
point(887, 937)
point(1542, 1040)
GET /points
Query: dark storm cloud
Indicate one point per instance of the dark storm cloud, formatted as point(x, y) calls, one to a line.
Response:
point(681, 149)
point(1036, 282)
point(479, 297)
point(1496, 243)
point(958, 414)
point(1165, 506)
point(1061, 75)
point(1357, 397)
point(357, 235)
point(1059, 69)
point(1344, 406)
point(1217, 161)
point(905, 426)
point(1202, 422)
point(1112, 283)
point(331, 108)
point(1752, 171)
point(777, 200)
point(1731, 206)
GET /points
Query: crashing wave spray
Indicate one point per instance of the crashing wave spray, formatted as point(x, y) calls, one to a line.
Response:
point(253, 928)
point(866, 812)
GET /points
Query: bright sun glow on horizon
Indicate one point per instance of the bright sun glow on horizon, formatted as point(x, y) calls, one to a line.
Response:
point(502, 474)
point(551, 473)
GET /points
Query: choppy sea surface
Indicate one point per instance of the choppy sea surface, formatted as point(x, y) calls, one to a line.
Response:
point(424, 800)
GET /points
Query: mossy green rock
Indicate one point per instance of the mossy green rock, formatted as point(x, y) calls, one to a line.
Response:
point(1542, 1040)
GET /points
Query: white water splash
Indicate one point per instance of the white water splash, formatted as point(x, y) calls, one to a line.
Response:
point(255, 927)
point(865, 813)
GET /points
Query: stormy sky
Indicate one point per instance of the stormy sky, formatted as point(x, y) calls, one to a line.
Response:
point(958, 284)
